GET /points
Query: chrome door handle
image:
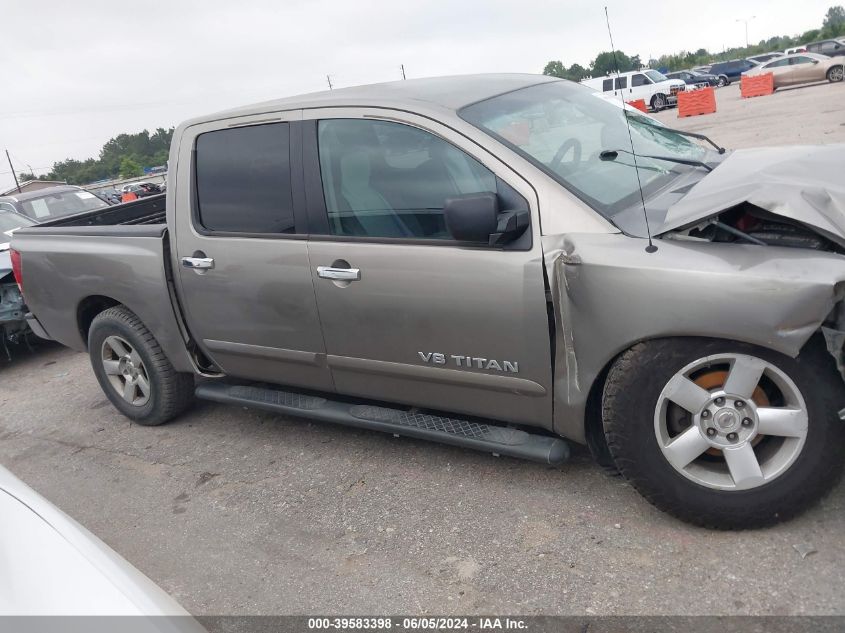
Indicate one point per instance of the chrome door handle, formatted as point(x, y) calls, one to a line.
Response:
point(340, 274)
point(204, 263)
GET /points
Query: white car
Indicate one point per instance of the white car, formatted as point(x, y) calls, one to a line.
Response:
point(649, 85)
point(51, 565)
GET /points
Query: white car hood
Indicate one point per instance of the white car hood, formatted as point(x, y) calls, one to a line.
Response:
point(51, 565)
point(801, 183)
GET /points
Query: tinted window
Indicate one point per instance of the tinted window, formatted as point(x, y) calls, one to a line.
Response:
point(638, 80)
point(621, 82)
point(243, 179)
point(385, 179)
point(606, 85)
point(794, 61)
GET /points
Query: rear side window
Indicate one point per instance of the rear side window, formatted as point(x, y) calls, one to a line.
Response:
point(621, 82)
point(243, 179)
point(607, 85)
point(779, 63)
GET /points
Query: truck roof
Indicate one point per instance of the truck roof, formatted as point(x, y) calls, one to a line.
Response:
point(451, 93)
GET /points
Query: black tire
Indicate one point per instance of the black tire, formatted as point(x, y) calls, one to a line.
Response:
point(835, 74)
point(631, 393)
point(723, 81)
point(658, 102)
point(170, 392)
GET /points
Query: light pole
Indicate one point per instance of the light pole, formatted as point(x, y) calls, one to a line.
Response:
point(746, 20)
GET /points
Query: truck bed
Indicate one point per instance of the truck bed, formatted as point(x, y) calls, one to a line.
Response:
point(75, 266)
point(144, 211)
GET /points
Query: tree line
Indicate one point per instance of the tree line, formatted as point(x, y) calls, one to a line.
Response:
point(604, 63)
point(123, 156)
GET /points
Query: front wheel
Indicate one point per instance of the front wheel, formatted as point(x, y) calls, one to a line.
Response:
point(133, 371)
point(837, 73)
point(724, 434)
point(658, 102)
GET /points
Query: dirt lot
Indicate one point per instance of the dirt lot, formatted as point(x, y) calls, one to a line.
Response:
point(802, 115)
point(237, 511)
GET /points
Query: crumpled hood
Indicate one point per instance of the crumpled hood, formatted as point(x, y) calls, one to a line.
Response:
point(804, 183)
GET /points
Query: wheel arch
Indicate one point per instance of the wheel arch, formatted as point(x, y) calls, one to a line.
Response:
point(88, 309)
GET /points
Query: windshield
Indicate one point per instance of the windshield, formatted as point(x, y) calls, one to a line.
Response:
point(563, 127)
point(61, 204)
point(655, 76)
point(12, 221)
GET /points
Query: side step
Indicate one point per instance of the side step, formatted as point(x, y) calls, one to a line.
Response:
point(498, 440)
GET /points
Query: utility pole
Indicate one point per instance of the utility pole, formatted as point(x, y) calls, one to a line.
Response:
point(747, 20)
point(402, 66)
point(329, 79)
point(17, 184)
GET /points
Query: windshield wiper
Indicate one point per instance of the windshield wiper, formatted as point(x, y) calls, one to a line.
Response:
point(611, 154)
point(719, 149)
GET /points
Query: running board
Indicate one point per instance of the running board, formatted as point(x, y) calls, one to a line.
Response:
point(498, 440)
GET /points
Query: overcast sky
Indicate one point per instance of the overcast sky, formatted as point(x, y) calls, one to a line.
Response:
point(74, 74)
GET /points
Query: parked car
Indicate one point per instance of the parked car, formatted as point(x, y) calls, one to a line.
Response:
point(654, 88)
point(802, 68)
point(796, 49)
point(731, 71)
point(13, 326)
point(693, 78)
point(110, 195)
point(478, 261)
point(765, 57)
point(52, 566)
point(52, 202)
point(701, 69)
point(831, 48)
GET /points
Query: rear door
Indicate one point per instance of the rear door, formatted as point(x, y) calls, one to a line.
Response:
point(242, 260)
point(781, 71)
point(409, 315)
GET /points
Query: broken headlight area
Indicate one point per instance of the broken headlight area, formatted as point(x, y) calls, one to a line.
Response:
point(749, 224)
point(13, 326)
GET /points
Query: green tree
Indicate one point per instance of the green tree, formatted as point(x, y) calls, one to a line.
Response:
point(24, 176)
point(577, 72)
point(129, 168)
point(555, 69)
point(605, 63)
point(834, 21)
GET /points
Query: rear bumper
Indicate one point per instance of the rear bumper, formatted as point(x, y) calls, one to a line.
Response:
point(36, 327)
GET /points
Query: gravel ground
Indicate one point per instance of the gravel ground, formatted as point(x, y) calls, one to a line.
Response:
point(243, 512)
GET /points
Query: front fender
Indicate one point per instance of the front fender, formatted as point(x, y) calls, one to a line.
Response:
point(609, 294)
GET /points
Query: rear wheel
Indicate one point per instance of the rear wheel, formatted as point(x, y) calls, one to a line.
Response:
point(724, 434)
point(723, 81)
point(837, 73)
point(133, 371)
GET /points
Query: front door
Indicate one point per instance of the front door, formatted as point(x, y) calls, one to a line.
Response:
point(409, 315)
point(242, 260)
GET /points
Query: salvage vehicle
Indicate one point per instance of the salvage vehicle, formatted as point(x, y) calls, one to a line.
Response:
point(52, 202)
point(508, 263)
point(13, 326)
point(654, 88)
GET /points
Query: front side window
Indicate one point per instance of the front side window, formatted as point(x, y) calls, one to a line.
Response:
point(795, 61)
point(779, 63)
point(243, 179)
point(386, 179)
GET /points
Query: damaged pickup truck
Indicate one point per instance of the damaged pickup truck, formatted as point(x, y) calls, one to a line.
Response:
point(508, 263)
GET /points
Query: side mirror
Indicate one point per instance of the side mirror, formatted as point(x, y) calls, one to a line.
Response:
point(475, 217)
point(814, 61)
point(472, 217)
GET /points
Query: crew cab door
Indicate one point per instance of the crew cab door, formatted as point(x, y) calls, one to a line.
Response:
point(409, 315)
point(244, 278)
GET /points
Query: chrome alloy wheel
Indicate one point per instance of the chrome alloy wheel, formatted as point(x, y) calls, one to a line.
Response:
point(733, 438)
point(126, 371)
point(836, 73)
